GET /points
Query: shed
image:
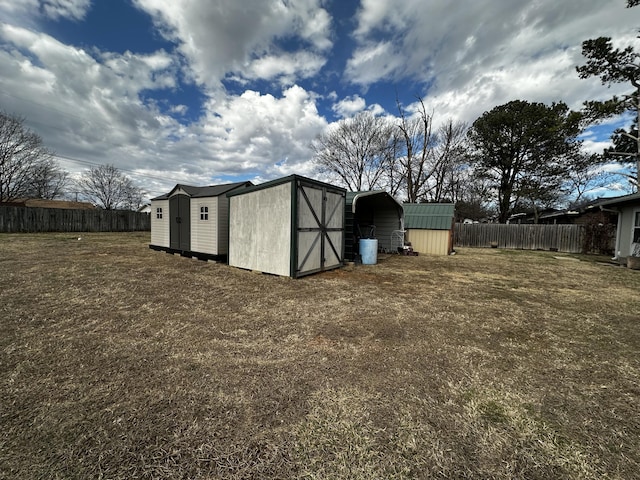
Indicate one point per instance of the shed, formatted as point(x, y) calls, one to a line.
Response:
point(372, 214)
point(430, 227)
point(628, 230)
point(292, 226)
point(193, 221)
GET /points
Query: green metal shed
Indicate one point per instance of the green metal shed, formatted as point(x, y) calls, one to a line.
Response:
point(372, 214)
point(430, 227)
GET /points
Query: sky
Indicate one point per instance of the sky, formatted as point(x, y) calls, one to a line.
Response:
point(215, 91)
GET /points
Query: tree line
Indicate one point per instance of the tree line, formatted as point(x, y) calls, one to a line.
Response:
point(28, 170)
point(520, 156)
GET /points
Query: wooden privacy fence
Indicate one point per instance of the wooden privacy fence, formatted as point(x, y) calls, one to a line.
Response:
point(563, 238)
point(35, 220)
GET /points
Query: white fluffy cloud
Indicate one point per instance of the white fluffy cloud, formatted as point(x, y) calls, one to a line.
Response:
point(100, 114)
point(54, 9)
point(232, 38)
point(349, 106)
point(485, 52)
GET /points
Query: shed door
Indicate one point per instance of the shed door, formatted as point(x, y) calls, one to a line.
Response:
point(179, 210)
point(320, 230)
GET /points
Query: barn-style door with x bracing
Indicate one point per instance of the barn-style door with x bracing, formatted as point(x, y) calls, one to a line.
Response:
point(320, 228)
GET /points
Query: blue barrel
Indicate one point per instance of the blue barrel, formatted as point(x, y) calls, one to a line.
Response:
point(369, 251)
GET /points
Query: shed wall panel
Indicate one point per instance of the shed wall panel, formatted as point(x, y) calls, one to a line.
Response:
point(430, 242)
point(335, 238)
point(260, 230)
point(309, 251)
point(223, 225)
point(335, 210)
point(160, 226)
point(386, 221)
point(307, 214)
point(204, 232)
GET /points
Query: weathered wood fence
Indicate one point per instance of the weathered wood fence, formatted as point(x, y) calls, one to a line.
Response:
point(563, 238)
point(35, 220)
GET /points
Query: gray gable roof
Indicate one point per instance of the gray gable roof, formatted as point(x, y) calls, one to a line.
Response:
point(428, 216)
point(208, 191)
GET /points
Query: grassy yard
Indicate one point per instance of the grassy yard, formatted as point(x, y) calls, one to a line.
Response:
point(117, 361)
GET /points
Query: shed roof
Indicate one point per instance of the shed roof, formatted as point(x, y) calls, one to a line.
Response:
point(428, 216)
point(282, 181)
point(208, 191)
point(352, 198)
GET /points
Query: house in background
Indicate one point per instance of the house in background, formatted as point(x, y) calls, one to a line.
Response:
point(145, 208)
point(292, 226)
point(627, 208)
point(373, 214)
point(193, 221)
point(430, 227)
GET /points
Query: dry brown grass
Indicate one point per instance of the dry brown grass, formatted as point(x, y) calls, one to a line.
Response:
point(117, 361)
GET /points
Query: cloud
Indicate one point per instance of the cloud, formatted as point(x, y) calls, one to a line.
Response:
point(349, 106)
point(487, 51)
point(53, 9)
point(244, 39)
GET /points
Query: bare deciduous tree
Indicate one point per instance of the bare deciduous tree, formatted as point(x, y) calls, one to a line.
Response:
point(48, 180)
point(428, 160)
point(23, 159)
point(109, 188)
point(357, 151)
point(450, 161)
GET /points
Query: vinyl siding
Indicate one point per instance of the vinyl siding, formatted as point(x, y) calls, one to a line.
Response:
point(204, 233)
point(160, 227)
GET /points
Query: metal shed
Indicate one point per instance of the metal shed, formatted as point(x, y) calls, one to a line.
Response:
point(193, 221)
point(430, 227)
point(292, 226)
point(373, 214)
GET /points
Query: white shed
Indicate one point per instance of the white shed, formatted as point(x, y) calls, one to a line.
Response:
point(193, 221)
point(292, 226)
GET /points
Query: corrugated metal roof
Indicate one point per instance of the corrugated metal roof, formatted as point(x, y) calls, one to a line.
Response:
point(428, 216)
point(352, 197)
point(208, 191)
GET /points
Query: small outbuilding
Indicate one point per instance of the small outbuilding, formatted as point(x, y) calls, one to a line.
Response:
point(292, 226)
point(373, 214)
point(193, 221)
point(628, 232)
point(430, 227)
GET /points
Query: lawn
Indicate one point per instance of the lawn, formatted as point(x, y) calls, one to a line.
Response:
point(117, 361)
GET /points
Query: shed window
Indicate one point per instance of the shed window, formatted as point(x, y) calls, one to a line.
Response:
point(204, 213)
point(159, 213)
point(636, 227)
